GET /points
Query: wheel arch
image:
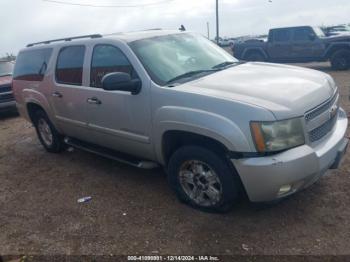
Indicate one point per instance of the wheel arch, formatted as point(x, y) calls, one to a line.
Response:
point(183, 120)
point(35, 99)
point(336, 47)
point(249, 51)
point(33, 107)
point(174, 139)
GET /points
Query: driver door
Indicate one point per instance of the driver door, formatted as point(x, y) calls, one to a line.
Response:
point(306, 45)
point(118, 119)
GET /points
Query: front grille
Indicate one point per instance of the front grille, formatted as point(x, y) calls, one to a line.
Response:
point(5, 89)
point(315, 115)
point(6, 98)
point(322, 130)
point(321, 108)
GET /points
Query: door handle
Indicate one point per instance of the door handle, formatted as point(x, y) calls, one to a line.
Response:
point(94, 100)
point(57, 94)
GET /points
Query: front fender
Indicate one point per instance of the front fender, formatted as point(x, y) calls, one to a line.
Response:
point(223, 130)
point(336, 45)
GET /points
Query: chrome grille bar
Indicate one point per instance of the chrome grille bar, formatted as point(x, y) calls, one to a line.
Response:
point(321, 120)
point(321, 108)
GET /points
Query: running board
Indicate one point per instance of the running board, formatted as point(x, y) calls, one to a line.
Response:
point(109, 153)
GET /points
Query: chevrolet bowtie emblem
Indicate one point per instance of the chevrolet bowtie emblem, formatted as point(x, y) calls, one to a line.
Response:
point(333, 111)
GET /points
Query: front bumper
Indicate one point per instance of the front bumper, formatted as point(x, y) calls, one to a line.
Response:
point(295, 169)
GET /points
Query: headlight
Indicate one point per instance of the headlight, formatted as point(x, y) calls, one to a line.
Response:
point(278, 135)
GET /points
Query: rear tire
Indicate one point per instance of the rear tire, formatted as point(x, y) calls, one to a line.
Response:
point(203, 179)
point(255, 57)
point(340, 60)
point(48, 136)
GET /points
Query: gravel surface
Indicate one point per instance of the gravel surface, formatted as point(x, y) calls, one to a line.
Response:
point(133, 211)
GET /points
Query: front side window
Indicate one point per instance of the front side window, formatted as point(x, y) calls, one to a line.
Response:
point(31, 65)
point(170, 56)
point(107, 59)
point(302, 34)
point(69, 68)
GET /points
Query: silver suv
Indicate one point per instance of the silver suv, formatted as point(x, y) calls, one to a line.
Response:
point(175, 99)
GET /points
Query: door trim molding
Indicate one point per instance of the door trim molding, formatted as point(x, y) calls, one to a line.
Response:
point(71, 121)
point(121, 133)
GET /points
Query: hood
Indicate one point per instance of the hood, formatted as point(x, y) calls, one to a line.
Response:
point(5, 80)
point(338, 38)
point(287, 91)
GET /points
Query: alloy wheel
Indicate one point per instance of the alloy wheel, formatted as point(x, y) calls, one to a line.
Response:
point(45, 132)
point(200, 183)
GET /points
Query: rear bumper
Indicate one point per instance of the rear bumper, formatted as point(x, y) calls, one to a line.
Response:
point(272, 177)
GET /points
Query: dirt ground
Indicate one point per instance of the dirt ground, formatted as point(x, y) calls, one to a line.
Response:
point(133, 211)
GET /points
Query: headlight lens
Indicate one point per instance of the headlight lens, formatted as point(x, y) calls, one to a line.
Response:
point(278, 135)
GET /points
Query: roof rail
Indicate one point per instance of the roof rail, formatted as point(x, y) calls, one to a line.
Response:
point(153, 29)
point(65, 39)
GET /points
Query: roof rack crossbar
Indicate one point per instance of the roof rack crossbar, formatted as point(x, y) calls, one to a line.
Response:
point(65, 39)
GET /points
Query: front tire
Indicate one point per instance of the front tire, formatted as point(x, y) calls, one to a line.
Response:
point(340, 60)
point(48, 135)
point(203, 179)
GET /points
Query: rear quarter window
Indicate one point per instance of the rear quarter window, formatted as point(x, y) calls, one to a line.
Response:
point(31, 65)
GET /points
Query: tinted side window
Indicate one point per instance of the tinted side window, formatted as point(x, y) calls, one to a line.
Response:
point(69, 68)
point(302, 34)
point(32, 65)
point(107, 59)
point(282, 35)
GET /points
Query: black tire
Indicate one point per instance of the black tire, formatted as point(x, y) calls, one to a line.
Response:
point(340, 60)
point(255, 57)
point(228, 178)
point(57, 144)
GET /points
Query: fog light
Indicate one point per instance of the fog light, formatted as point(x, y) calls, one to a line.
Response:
point(284, 189)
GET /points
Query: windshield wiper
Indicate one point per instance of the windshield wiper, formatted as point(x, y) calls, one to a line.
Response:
point(224, 64)
point(190, 73)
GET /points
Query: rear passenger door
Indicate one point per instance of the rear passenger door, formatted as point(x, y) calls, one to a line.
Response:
point(120, 120)
point(68, 95)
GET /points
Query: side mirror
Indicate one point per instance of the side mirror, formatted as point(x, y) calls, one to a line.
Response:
point(122, 82)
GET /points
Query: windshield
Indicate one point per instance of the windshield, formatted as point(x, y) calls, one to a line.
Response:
point(168, 57)
point(319, 32)
point(6, 68)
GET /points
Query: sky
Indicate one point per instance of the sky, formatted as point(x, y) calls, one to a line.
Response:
point(26, 21)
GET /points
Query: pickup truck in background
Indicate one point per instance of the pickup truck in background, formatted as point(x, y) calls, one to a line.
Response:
point(297, 45)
